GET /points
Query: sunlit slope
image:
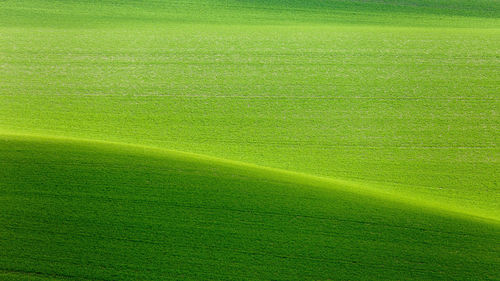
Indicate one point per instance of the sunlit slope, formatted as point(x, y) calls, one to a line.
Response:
point(89, 210)
point(414, 109)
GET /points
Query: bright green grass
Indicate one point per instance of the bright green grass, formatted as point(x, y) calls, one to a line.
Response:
point(91, 210)
point(92, 13)
point(415, 109)
point(393, 103)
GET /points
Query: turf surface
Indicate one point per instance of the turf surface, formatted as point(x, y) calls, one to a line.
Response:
point(73, 209)
point(395, 103)
point(413, 108)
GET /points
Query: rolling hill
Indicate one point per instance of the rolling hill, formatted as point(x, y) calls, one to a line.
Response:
point(224, 139)
point(103, 211)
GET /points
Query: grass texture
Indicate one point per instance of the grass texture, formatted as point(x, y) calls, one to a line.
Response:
point(87, 210)
point(266, 139)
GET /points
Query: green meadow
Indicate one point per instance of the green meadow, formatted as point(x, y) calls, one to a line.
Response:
point(247, 140)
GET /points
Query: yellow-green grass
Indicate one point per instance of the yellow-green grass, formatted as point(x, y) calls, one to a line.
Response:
point(222, 139)
point(91, 13)
point(78, 209)
point(412, 109)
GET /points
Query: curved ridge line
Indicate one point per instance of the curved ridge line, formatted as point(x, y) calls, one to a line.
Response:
point(281, 175)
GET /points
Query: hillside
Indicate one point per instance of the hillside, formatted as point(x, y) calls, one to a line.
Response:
point(414, 109)
point(225, 139)
point(99, 211)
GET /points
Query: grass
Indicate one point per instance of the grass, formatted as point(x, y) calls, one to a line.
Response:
point(361, 111)
point(411, 108)
point(81, 209)
point(89, 13)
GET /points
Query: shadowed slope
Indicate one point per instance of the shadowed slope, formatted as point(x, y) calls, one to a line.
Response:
point(102, 211)
point(406, 197)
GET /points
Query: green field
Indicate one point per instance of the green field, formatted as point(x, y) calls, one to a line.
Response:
point(244, 140)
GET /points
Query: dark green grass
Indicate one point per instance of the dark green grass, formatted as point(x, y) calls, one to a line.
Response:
point(84, 210)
